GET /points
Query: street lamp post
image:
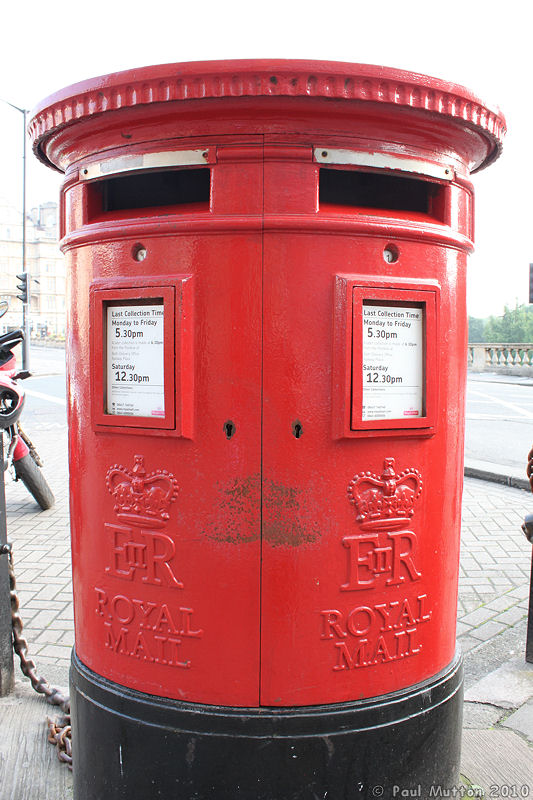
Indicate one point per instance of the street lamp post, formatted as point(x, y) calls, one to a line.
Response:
point(7, 674)
point(26, 307)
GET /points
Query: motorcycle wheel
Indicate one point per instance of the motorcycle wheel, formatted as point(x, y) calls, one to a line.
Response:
point(33, 479)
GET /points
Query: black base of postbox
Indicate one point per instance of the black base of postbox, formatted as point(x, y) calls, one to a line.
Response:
point(135, 746)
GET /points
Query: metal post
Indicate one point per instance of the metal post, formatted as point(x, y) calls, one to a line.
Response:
point(26, 307)
point(7, 674)
point(527, 527)
point(529, 634)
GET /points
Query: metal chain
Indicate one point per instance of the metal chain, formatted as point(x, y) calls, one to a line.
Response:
point(59, 731)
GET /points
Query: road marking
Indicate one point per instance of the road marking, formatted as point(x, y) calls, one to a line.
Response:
point(518, 409)
point(493, 417)
point(50, 397)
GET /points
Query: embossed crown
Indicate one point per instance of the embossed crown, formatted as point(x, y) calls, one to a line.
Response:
point(385, 502)
point(141, 498)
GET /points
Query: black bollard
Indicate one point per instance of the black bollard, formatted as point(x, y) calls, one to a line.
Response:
point(527, 527)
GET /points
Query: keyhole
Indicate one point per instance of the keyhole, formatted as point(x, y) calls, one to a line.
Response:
point(229, 429)
point(297, 429)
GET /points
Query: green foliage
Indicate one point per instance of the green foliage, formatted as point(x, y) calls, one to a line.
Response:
point(514, 326)
point(476, 329)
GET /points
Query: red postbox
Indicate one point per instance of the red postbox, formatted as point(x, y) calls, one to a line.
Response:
point(266, 361)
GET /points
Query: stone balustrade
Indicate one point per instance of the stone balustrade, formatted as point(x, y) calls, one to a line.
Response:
point(505, 359)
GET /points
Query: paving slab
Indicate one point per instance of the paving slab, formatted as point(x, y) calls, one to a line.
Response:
point(487, 630)
point(521, 721)
point(509, 686)
point(29, 767)
point(481, 715)
point(511, 616)
point(498, 761)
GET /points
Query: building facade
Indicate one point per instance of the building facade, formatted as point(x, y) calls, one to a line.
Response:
point(44, 264)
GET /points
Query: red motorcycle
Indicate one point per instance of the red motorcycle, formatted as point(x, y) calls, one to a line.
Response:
point(19, 452)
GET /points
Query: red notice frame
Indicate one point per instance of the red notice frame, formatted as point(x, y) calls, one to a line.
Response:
point(351, 293)
point(175, 295)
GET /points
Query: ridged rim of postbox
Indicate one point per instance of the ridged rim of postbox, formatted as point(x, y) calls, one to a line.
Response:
point(209, 80)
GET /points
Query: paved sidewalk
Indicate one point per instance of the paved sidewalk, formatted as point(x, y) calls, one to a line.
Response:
point(41, 548)
point(493, 600)
point(491, 627)
point(495, 561)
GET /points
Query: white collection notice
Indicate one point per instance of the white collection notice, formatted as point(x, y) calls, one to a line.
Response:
point(393, 367)
point(135, 358)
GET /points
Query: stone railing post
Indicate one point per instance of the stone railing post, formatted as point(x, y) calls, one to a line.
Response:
point(479, 357)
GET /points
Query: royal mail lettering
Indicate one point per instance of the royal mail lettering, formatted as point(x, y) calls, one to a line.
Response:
point(382, 556)
point(376, 558)
point(365, 653)
point(137, 553)
point(146, 630)
point(382, 632)
point(159, 649)
point(154, 616)
point(365, 619)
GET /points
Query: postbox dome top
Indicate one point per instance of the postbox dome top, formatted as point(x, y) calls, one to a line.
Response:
point(182, 83)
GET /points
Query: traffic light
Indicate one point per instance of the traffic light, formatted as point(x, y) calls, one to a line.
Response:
point(23, 287)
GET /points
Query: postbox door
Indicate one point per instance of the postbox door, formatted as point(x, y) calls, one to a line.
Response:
point(354, 607)
point(167, 585)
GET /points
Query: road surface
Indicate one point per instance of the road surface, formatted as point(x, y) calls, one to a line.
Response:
point(499, 420)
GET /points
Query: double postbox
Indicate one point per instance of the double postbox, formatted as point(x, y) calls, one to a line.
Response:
point(266, 364)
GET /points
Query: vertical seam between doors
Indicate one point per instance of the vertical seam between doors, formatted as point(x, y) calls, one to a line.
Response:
point(261, 424)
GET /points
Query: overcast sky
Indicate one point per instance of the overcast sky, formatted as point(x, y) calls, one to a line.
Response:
point(482, 45)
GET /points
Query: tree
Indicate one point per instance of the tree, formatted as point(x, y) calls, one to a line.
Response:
point(515, 326)
point(493, 330)
point(476, 329)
